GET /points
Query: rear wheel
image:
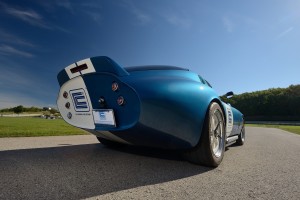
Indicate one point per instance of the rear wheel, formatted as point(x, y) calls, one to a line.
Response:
point(210, 149)
point(241, 140)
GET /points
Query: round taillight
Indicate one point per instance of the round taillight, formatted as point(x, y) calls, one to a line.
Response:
point(67, 105)
point(65, 94)
point(121, 101)
point(69, 115)
point(114, 86)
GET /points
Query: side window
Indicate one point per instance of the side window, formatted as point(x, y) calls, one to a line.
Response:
point(201, 79)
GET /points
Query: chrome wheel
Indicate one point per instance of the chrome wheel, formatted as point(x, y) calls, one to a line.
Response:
point(216, 132)
point(242, 136)
point(210, 149)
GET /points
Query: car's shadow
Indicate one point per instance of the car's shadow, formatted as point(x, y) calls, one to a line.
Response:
point(83, 171)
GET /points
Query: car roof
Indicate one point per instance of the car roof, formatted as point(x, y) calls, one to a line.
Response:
point(153, 67)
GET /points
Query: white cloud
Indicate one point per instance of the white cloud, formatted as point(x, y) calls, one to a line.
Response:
point(14, 79)
point(28, 16)
point(31, 17)
point(141, 16)
point(9, 50)
point(9, 100)
point(91, 5)
point(10, 82)
point(65, 4)
point(228, 24)
point(20, 87)
point(96, 16)
point(178, 21)
point(284, 33)
point(14, 39)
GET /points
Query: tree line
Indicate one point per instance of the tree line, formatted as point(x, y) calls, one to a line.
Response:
point(20, 109)
point(272, 104)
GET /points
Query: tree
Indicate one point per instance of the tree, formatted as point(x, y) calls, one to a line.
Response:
point(53, 111)
point(271, 104)
point(18, 109)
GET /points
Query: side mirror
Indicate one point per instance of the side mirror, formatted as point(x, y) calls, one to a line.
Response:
point(229, 94)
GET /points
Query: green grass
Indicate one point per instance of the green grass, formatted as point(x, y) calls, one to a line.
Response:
point(292, 129)
point(28, 126)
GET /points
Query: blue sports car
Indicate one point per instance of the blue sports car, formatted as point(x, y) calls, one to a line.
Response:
point(155, 106)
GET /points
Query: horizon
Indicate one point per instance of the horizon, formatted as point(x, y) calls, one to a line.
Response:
point(237, 46)
point(55, 106)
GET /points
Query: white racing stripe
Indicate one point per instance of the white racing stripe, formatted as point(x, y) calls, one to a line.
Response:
point(229, 119)
point(70, 74)
point(80, 111)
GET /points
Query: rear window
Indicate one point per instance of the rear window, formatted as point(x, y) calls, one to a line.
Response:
point(153, 67)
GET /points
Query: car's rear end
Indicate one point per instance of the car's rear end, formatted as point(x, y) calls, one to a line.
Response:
point(93, 97)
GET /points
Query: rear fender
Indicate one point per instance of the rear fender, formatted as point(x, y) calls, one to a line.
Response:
point(90, 65)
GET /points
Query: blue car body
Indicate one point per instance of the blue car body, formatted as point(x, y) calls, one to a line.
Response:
point(163, 106)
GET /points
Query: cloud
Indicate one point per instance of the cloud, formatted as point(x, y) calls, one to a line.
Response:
point(178, 21)
point(29, 16)
point(20, 87)
point(89, 8)
point(65, 4)
point(11, 45)
point(228, 24)
point(32, 17)
point(9, 100)
point(14, 39)
point(91, 5)
point(95, 16)
point(9, 50)
point(141, 16)
point(284, 33)
point(55, 5)
point(14, 78)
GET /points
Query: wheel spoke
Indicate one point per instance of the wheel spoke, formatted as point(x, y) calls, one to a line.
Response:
point(212, 123)
point(217, 125)
point(216, 133)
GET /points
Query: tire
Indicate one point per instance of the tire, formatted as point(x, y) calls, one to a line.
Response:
point(241, 140)
point(107, 142)
point(211, 147)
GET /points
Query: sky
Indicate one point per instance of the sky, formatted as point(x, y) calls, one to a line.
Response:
point(237, 45)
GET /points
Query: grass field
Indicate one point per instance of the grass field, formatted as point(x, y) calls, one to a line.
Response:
point(292, 129)
point(27, 126)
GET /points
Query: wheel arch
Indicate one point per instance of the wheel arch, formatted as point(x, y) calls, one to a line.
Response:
point(218, 101)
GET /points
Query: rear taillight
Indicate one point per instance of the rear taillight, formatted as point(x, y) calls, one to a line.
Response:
point(121, 101)
point(65, 94)
point(114, 86)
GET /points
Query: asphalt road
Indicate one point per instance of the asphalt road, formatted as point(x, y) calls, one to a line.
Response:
point(76, 167)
